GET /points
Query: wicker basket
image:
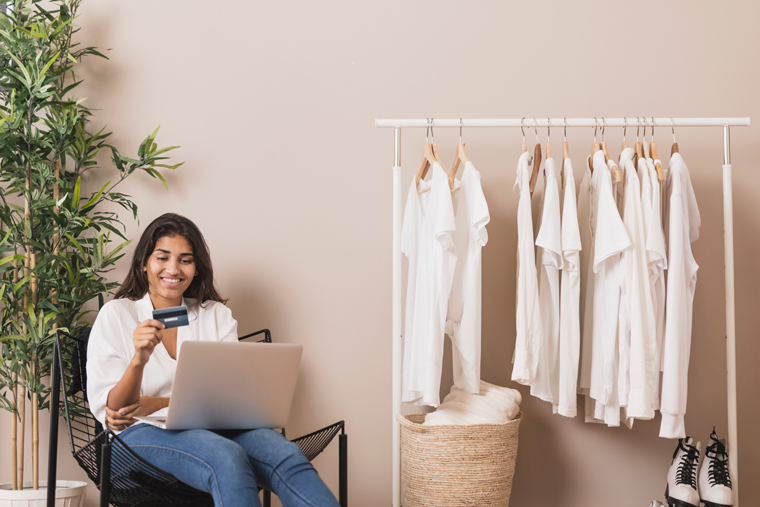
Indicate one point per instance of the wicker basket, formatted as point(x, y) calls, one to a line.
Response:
point(453, 466)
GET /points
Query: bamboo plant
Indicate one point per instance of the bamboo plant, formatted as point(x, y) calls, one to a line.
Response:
point(57, 240)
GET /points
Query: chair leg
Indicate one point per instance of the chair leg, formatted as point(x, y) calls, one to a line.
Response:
point(267, 499)
point(105, 475)
point(343, 469)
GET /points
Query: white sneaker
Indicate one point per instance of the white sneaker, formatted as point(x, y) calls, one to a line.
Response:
point(681, 490)
point(714, 481)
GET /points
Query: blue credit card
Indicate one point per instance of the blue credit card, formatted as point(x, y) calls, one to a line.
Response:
point(172, 317)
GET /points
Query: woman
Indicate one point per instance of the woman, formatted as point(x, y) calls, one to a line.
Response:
point(132, 359)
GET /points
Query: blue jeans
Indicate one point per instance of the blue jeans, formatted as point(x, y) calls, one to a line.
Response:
point(232, 465)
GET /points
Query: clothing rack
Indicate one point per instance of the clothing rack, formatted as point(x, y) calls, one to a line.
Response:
point(728, 239)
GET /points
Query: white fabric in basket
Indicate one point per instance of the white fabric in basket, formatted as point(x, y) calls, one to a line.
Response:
point(492, 405)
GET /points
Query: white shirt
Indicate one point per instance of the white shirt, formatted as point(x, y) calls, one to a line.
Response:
point(682, 281)
point(638, 366)
point(464, 318)
point(528, 316)
point(657, 262)
point(427, 241)
point(585, 208)
point(610, 239)
point(111, 346)
point(569, 328)
point(546, 384)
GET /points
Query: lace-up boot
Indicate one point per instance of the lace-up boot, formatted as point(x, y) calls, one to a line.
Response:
point(681, 490)
point(714, 481)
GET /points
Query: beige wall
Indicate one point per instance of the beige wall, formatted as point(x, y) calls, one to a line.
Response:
point(273, 104)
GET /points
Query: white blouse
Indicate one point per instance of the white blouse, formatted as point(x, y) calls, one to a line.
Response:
point(111, 347)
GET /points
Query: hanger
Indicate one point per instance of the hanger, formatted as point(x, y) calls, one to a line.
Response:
point(617, 176)
point(524, 146)
point(460, 157)
point(536, 159)
point(674, 148)
point(625, 129)
point(429, 157)
point(653, 154)
point(639, 151)
point(548, 138)
point(565, 154)
point(595, 146)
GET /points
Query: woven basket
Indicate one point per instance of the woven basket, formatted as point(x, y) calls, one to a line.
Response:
point(453, 466)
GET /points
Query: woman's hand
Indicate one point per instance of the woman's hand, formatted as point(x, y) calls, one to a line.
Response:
point(123, 418)
point(146, 336)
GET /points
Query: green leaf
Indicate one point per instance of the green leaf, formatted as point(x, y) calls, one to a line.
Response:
point(157, 175)
point(77, 188)
point(94, 198)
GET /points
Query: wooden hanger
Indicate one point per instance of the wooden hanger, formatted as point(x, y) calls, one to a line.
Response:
point(674, 148)
point(536, 159)
point(625, 129)
point(617, 176)
point(429, 157)
point(639, 150)
point(595, 146)
point(653, 154)
point(522, 128)
point(459, 158)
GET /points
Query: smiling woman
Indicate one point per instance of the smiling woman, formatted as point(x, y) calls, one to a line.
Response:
point(132, 361)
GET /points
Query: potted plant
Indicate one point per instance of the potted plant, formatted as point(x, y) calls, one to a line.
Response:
point(57, 241)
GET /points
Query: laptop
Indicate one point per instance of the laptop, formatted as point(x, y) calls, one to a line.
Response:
point(231, 386)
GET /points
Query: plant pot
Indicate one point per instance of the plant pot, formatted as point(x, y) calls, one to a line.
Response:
point(67, 494)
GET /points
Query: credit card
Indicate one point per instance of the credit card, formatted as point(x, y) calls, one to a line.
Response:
point(172, 317)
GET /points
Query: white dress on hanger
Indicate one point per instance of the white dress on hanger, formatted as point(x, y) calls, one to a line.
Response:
point(427, 241)
point(549, 241)
point(569, 329)
point(682, 281)
point(464, 315)
point(528, 316)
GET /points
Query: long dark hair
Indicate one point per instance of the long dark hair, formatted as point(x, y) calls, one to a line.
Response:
point(170, 224)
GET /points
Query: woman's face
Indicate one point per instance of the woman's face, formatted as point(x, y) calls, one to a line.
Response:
point(170, 269)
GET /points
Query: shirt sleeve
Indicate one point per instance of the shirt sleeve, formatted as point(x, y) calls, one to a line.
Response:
point(227, 325)
point(481, 214)
point(107, 359)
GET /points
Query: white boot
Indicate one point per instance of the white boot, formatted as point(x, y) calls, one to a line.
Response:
point(681, 490)
point(714, 481)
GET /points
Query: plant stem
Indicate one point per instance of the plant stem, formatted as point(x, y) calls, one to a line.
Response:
point(14, 439)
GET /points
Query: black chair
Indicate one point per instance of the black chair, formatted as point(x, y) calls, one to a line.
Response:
point(125, 479)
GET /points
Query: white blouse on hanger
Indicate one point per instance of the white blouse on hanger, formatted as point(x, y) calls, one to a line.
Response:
point(682, 281)
point(549, 263)
point(528, 316)
point(427, 241)
point(464, 311)
point(569, 333)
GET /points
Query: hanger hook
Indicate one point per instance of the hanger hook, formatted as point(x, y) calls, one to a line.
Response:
point(427, 131)
point(521, 127)
point(549, 129)
point(596, 125)
point(535, 128)
point(644, 132)
point(625, 127)
point(432, 134)
point(673, 128)
point(565, 122)
point(604, 127)
point(638, 124)
point(652, 128)
point(461, 124)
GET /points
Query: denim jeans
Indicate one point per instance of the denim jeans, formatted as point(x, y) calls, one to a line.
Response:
point(231, 465)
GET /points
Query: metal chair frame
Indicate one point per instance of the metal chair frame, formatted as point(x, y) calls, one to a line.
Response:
point(123, 477)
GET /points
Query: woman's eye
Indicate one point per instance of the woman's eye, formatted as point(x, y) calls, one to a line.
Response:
point(162, 258)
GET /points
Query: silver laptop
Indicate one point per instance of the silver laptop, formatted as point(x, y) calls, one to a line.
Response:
point(225, 386)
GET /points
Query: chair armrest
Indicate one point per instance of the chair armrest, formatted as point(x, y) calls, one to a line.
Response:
point(267, 336)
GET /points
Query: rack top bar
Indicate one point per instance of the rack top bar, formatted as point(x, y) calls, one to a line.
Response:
point(560, 122)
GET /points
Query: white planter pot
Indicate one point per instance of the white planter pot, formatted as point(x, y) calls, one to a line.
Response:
point(67, 494)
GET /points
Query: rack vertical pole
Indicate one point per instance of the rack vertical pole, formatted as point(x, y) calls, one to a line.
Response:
point(728, 244)
point(397, 319)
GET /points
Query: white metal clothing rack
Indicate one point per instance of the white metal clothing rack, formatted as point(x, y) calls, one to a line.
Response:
point(728, 230)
